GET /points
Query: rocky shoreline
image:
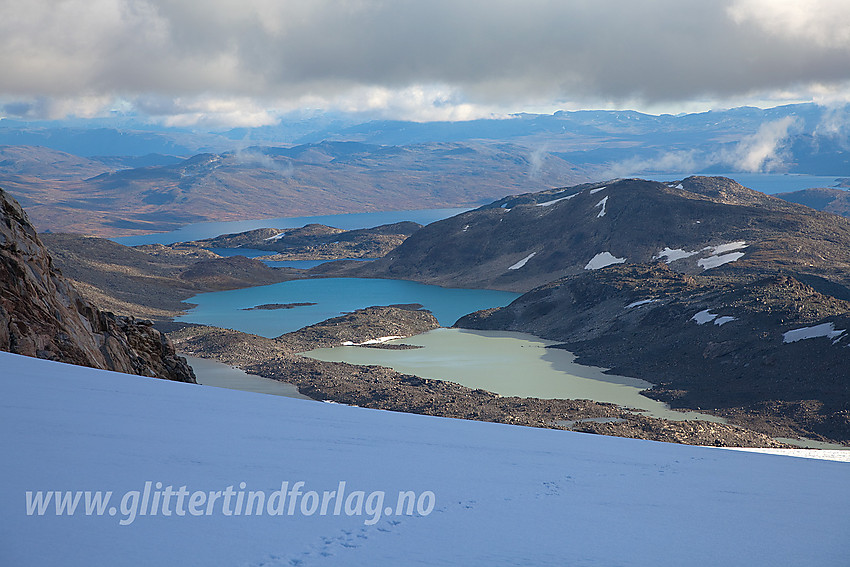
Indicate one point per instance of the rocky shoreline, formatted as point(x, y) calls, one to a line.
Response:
point(382, 388)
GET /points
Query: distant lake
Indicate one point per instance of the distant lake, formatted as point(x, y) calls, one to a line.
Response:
point(351, 221)
point(769, 183)
point(333, 296)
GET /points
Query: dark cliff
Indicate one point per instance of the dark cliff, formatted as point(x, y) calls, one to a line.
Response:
point(43, 315)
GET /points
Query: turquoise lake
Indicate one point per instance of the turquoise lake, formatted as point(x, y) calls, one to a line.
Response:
point(510, 364)
point(333, 296)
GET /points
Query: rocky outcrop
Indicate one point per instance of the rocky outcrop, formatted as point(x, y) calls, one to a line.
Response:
point(151, 281)
point(231, 272)
point(371, 325)
point(43, 315)
point(314, 241)
point(830, 199)
point(360, 327)
point(722, 343)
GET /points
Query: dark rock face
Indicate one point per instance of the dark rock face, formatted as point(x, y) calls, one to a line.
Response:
point(42, 315)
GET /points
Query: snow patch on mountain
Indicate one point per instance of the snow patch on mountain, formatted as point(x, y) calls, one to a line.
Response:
point(715, 261)
point(673, 254)
point(639, 303)
point(602, 204)
point(377, 341)
point(728, 247)
point(552, 202)
point(522, 262)
point(823, 330)
point(602, 260)
point(706, 316)
point(703, 317)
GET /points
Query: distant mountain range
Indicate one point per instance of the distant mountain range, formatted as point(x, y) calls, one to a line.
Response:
point(131, 178)
point(63, 192)
point(801, 138)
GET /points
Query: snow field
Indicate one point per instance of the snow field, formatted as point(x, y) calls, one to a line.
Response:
point(504, 495)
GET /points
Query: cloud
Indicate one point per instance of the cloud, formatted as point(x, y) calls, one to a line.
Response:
point(372, 55)
point(255, 157)
point(536, 159)
point(206, 111)
point(760, 152)
point(672, 161)
point(824, 22)
point(834, 126)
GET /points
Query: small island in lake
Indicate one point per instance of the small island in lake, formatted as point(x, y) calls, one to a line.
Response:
point(278, 306)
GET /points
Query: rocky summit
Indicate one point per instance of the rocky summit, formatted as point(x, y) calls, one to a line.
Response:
point(43, 315)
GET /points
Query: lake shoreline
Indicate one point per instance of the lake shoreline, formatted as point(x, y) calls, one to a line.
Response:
point(382, 388)
point(509, 364)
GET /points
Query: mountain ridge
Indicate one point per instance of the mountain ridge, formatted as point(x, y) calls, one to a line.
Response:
point(697, 224)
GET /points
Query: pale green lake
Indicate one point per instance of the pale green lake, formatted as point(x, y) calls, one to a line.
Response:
point(509, 364)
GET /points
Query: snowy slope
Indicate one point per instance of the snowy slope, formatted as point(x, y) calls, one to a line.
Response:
point(504, 495)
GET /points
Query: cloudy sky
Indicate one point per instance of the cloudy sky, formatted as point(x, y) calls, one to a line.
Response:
point(244, 62)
